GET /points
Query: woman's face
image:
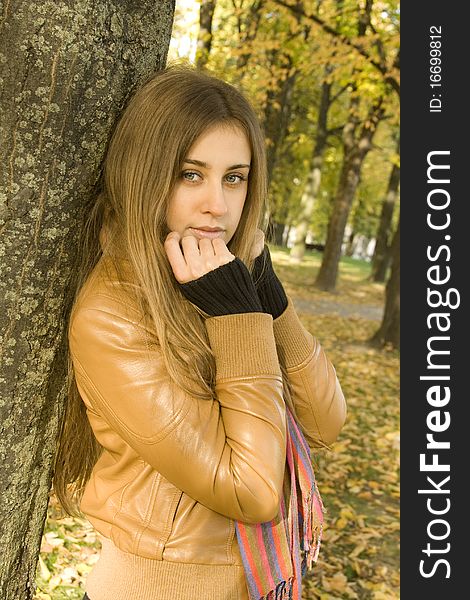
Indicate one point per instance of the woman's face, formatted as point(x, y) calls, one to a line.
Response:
point(211, 189)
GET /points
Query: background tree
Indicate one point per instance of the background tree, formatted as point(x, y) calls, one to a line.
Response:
point(66, 70)
point(372, 50)
point(204, 38)
point(367, 207)
point(277, 111)
point(312, 187)
point(389, 330)
point(367, 56)
point(383, 248)
point(282, 56)
point(248, 21)
point(356, 148)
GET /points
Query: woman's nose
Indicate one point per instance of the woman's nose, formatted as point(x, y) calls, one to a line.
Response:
point(214, 201)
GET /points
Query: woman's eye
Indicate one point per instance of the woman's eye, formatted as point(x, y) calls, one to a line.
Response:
point(190, 175)
point(234, 179)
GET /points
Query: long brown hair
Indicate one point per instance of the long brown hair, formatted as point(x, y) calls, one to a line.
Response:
point(145, 156)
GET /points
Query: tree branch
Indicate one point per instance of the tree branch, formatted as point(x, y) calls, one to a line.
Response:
point(388, 78)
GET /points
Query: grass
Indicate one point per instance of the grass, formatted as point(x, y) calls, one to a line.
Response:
point(353, 285)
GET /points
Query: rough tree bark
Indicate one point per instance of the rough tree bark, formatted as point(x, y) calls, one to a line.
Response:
point(382, 252)
point(204, 37)
point(389, 330)
point(355, 151)
point(66, 68)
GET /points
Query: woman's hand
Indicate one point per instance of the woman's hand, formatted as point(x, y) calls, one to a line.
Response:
point(191, 258)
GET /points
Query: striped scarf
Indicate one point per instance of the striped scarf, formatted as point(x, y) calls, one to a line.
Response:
point(277, 554)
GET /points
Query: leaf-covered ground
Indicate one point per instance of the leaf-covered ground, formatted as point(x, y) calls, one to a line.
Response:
point(358, 479)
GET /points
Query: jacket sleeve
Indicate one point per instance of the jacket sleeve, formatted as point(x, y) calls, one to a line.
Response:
point(227, 453)
point(316, 392)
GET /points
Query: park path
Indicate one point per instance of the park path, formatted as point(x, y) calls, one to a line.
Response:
point(323, 307)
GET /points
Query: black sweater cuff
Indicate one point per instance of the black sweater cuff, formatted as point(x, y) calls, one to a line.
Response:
point(226, 290)
point(270, 291)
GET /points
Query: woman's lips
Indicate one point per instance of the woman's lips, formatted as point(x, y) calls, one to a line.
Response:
point(211, 234)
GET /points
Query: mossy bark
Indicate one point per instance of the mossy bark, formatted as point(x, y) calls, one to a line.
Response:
point(65, 71)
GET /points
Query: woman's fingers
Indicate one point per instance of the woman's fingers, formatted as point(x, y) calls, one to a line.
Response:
point(190, 248)
point(206, 248)
point(222, 253)
point(175, 256)
point(191, 258)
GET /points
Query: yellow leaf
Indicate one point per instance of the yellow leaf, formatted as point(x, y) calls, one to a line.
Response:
point(357, 550)
point(341, 446)
point(83, 568)
point(347, 513)
point(41, 596)
point(355, 489)
point(357, 567)
point(379, 595)
point(53, 539)
point(43, 570)
point(55, 581)
point(337, 583)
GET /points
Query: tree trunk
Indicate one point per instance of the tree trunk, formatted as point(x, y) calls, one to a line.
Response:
point(380, 273)
point(204, 38)
point(286, 235)
point(355, 151)
point(66, 70)
point(277, 115)
point(307, 202)
point(248, 30)
point(389, 330)
point(275, 233)
point(381, 258)
point(351, 244)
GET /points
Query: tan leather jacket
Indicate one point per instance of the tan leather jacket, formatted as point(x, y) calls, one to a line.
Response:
point(177, 471)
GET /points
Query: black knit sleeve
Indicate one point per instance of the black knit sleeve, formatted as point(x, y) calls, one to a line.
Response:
point(270, 290)
point(229, 289)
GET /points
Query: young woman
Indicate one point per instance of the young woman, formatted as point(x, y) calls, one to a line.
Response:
point(191, 376)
